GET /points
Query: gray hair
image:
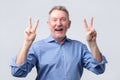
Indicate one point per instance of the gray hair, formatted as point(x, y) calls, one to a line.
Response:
point(62, 8)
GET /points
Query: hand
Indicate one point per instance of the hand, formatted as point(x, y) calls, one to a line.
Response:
point(30, 32)
point(90, 31)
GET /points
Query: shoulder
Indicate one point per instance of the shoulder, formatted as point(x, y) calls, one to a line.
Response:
point(76, 42)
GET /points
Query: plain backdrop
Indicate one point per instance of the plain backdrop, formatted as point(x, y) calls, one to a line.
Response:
point(14, 16)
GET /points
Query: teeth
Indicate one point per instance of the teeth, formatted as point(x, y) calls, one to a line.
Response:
point(58, 29)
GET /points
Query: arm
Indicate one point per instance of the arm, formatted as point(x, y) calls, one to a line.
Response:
point(30, 34)
point(91, 39)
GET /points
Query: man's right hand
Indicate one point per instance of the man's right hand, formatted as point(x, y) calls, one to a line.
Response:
point(30, 32)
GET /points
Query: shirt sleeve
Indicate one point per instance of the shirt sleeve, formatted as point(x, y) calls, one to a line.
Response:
point(91, 63)
point(23, 69)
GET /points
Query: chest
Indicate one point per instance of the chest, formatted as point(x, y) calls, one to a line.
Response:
point(60, 55)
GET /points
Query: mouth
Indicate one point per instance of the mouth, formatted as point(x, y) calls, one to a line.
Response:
point(59, 29)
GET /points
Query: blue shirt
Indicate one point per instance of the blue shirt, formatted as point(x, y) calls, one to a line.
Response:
point(56, 61)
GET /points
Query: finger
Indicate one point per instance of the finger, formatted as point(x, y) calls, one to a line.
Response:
point(27, 31)
point(95, 33)
point(92, 29)
point(91, 22)
point(36, 25)
point(85, 24)
point(30, 23)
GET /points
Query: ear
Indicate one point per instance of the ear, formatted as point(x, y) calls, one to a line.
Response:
point(48, 24)
point(69, 24)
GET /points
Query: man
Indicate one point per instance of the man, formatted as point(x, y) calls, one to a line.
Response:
point(58, 57)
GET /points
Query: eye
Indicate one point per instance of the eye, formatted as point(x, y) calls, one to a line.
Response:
point(63, 19)
point(54, 19)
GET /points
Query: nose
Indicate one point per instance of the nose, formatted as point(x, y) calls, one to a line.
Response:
point(58, 23)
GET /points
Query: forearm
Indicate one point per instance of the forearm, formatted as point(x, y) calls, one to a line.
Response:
point(95, 51)
point(22, 55)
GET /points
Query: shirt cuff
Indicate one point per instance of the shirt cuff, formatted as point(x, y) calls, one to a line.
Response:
point(96, 63)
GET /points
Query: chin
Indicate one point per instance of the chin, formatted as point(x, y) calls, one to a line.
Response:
point(60, 35)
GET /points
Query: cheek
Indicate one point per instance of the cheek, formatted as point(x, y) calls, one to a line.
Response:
point(51, 29)
point(51, 26)
point(66, 26)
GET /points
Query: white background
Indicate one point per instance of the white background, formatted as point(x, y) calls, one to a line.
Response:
point(14, 16)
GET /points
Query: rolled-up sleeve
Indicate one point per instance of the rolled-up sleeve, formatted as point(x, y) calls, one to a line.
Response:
point(23, 69)
point(98, 67)
point(92, 64)
point(19, 71)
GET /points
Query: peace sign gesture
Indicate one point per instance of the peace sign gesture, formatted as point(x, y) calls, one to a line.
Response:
point(30, 32)
point(90, 31)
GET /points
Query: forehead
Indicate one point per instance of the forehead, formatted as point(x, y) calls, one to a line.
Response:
point(58, 13)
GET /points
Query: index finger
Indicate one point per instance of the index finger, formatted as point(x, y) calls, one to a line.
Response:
point(30, 23)
point(85, 24)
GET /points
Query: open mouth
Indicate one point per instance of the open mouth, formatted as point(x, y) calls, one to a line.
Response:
point(59, 29)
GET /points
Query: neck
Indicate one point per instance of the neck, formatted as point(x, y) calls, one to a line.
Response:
point(60, 39)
